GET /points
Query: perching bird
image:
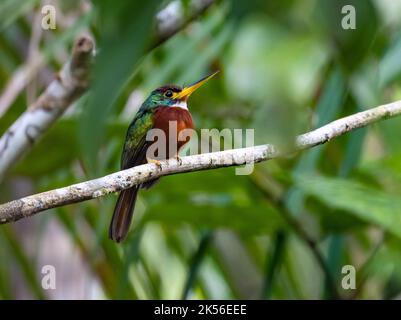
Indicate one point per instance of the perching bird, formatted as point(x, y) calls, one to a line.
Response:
point(165, 104)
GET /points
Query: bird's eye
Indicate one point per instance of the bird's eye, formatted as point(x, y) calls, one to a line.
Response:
point(168, 93)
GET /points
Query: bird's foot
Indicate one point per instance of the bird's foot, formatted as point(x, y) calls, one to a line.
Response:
point(179, 160)
point(155, 161)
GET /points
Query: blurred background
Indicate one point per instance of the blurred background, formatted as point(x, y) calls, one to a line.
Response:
point(284, 232)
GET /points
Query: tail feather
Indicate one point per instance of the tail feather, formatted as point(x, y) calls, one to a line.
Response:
point(122, 215)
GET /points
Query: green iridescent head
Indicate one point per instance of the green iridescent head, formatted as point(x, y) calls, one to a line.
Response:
point(173, 95)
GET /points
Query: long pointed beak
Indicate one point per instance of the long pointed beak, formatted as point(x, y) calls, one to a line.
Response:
point(187, 91)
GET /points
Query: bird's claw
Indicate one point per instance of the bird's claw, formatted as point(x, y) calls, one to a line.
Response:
point(155, 161)
point(179, 160)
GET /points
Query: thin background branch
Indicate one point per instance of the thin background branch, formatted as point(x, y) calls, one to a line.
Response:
point(69, 85)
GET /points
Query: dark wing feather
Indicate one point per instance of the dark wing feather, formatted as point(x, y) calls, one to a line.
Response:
point(134, 157)
point(135, 147)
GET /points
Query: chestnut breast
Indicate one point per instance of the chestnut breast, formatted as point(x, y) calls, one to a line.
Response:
point(183, 120)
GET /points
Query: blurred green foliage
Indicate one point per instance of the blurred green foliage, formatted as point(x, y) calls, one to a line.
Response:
point(286, 230)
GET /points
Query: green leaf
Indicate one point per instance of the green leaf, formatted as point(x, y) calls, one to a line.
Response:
point(390, 68)
point(213, 199)
point(125, 33)
point(328, 106)
point(47, 157)
point(28, 270)
point(371, 205)
point(10, 10)
point(351, 45)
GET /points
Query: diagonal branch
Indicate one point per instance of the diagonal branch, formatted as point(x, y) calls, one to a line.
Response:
point(68, 86)
point(173, 18)
point(21, 77)
point(28, 206)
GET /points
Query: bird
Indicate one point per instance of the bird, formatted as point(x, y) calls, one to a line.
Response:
point(164, 104)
